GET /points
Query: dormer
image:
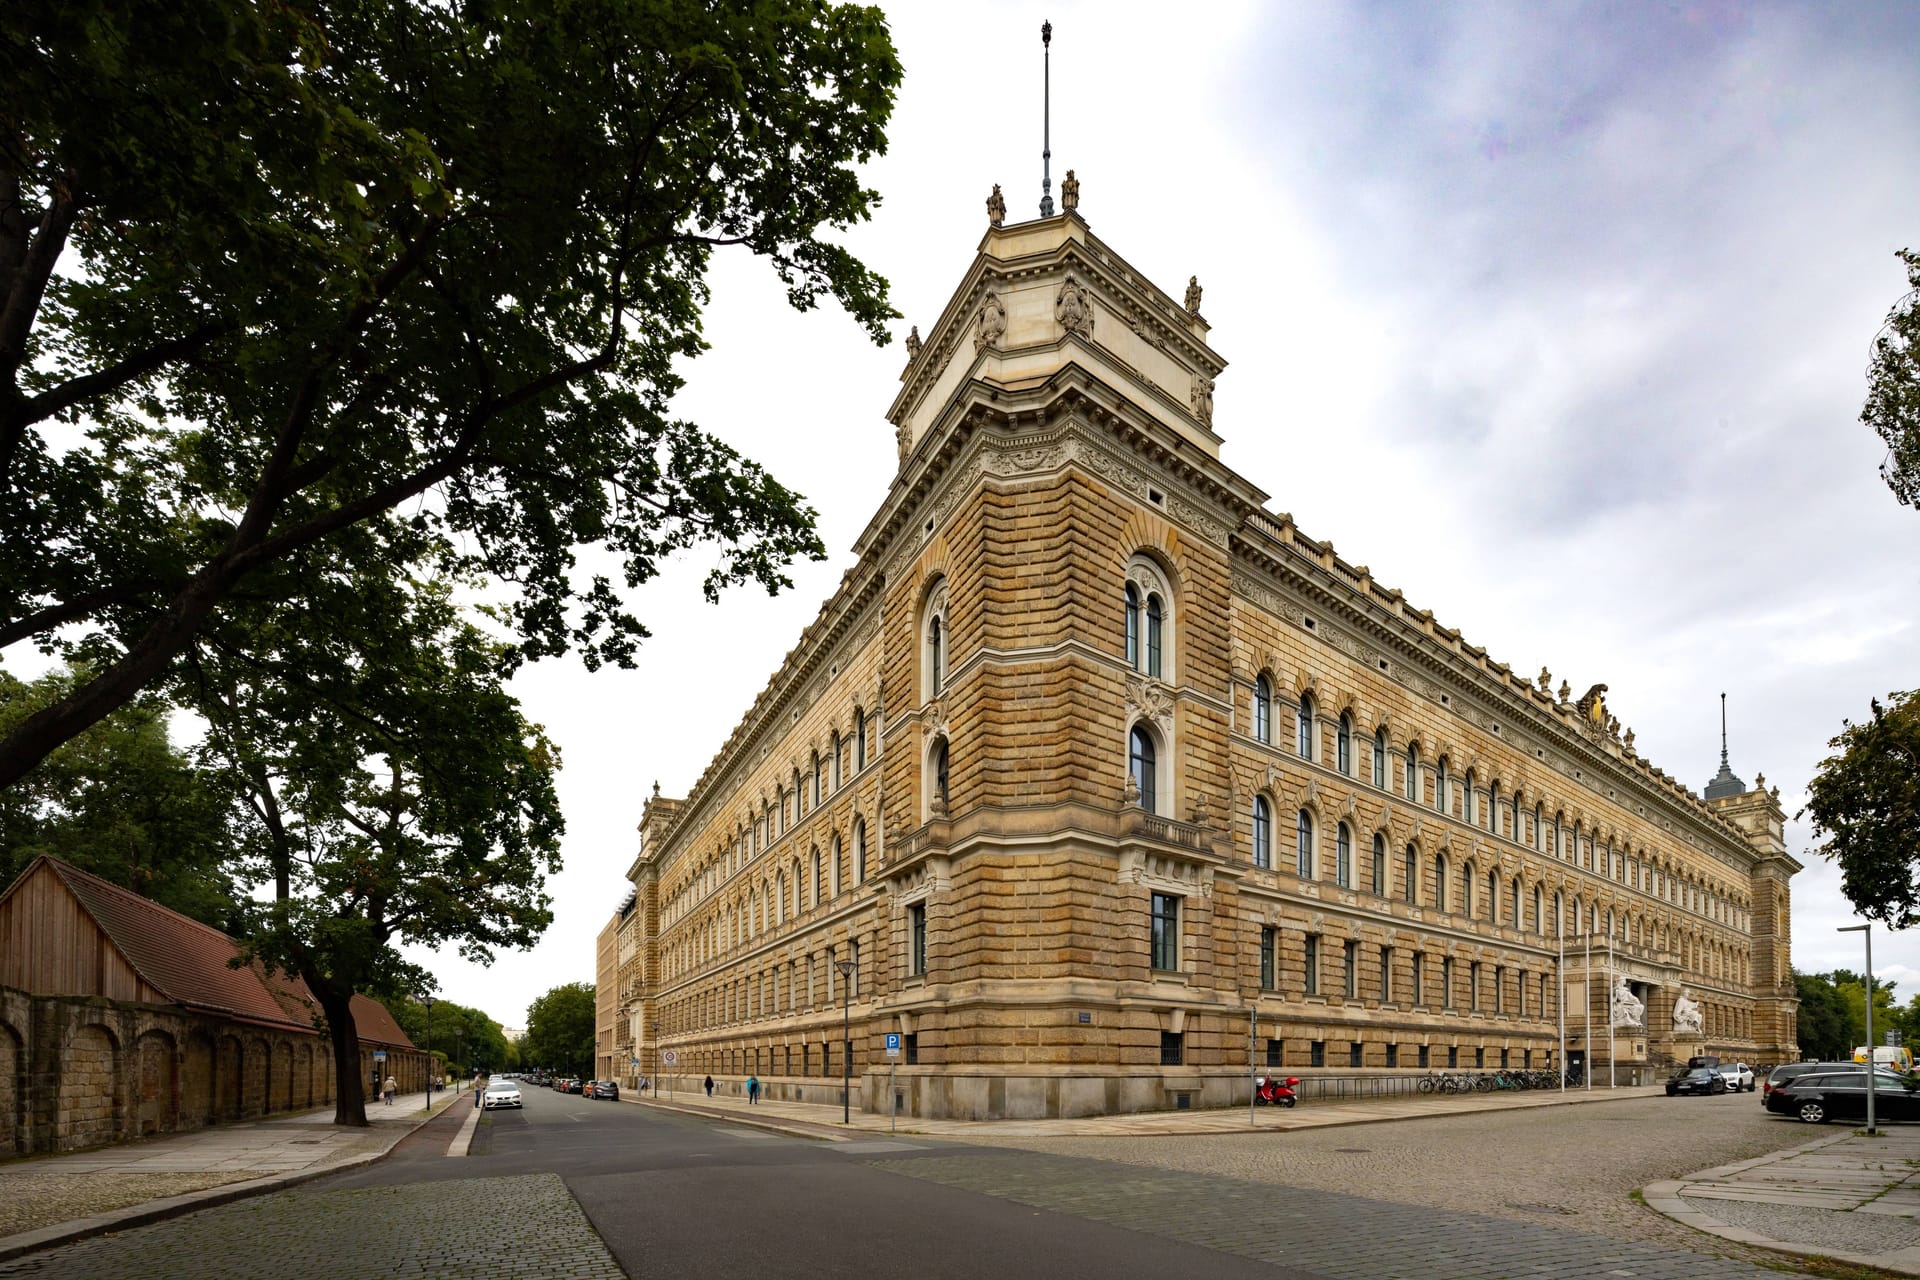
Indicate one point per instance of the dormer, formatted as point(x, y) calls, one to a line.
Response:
point(1047, 294)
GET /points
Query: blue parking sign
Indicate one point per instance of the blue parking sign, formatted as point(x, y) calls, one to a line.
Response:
point(893, 1042)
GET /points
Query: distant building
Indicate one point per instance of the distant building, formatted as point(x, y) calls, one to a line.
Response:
point(1095, 776)
point(616, 1003)
point(120, 1018)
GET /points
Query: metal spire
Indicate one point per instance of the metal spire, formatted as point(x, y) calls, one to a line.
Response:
point(1723, 731)
point(1725, 783)
point(1046, 119)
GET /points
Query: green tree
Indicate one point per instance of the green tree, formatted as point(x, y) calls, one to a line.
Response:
point(398, 289)
point(1824, 1022)
point(456, 1029)
point(1893, 389)
point(121, 801)
point(560, 1029)
point(1865, 805)
point(391, 790)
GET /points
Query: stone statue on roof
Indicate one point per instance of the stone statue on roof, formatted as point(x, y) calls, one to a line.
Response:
point(913, 344)
point(1070, 191)
point(1193, 295)
point(996, 206)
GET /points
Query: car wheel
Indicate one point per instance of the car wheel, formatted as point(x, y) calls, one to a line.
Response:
point(1813, 1113)
point(1671, 1091)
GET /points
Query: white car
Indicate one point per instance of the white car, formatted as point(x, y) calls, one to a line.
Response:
point(500, 1094)
point(1739, 1076)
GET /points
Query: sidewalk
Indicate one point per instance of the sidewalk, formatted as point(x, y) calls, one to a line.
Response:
point(1843, 1196)
point(49, 1200)
point(813, 1120)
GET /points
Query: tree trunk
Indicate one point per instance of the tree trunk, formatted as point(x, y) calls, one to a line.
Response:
point(349, 1089)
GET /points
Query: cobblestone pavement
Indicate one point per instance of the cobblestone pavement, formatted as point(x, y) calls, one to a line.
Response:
point(1327, 1233)
point(1571, 1168)
point(521, 1228)
point(29, 1200)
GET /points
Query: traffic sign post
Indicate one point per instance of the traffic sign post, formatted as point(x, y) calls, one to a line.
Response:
point(893, 1053)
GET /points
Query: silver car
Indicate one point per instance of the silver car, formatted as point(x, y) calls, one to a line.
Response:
point(501, 1093)
point(1739, 1076)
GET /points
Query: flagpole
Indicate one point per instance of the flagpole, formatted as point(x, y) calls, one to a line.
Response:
point(1560, 976)
point(1586, 991)
point(1610, 981)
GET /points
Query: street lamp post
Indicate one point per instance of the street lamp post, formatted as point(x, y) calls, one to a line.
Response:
point(429, 1054)
point(1872, 1062)
point(847, 969)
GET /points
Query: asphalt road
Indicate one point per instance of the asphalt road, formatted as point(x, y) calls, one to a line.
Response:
point(585, 1190)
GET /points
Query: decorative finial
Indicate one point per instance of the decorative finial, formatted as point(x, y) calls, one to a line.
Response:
point(996, 206)
point(1566, 691)
point(1544, 680)
point(656, 788)
point(1070, 191)
point(1193, 295)
point(1046, 119)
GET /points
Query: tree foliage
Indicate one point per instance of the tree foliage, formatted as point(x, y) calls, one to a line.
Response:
point(465, 1038)
point(1893, 389)
point(328, 290)
point(560, 1029)
point(122, 801)
point(1865, 805)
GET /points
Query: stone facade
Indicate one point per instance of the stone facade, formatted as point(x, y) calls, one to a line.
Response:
point(1096, 778)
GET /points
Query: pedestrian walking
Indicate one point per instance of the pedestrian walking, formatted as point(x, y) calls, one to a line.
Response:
point(709, 1086)
point(393, 1087)
point(753, 1090)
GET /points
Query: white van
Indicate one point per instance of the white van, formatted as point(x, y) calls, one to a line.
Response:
point(1896, 1056)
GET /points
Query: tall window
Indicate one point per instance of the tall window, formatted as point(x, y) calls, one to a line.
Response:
point(859, 851)
point(1269, 939)
point(1466, 891)
point(817, 781)
point(1306, 726)
point(1155, 623)
point(859, 739)
point(1493, 896)
point(1303, 845)
point(836, 760)
point(1343, 745)
point(1440, 799)
point(1410, 876)
point(1386, 974)
point(1413, 773)
point(1343, 857)
point(917, 938)
point(1473, 986)
point(1379, 865)
point(1380, 758)
point(1311, 960)
point(1164, 939)
point(1133, 626)
point(1148, 619)
point(1419, 976)
point(1439, 882)
point(940, 770)
point(1140, 761)
point(936, 654)
point(1446, 982)
point(1351, 958)
point(1262, 832)
point(1493, 807)
point(1263, 710)
point(1466, 800)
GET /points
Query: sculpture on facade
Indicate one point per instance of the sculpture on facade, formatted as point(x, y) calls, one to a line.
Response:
point(1628, 1010)
point(1593, 706)
point(1072, 309)
point(1193, 295)
point(1070, 191)
point(1686, 1014)
point(913, 344)
point(903, 440)
point(996, 206)
point(992, 321)
point(1202, 398)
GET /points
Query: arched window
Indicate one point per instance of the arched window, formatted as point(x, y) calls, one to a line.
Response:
point(1517, 833)
point(1343, 857)
point(1303, 845)
point(1262, 710)
point(1539, 922)
point(859, 851)
point(1518, 919)
point(1440, 799)
point(1141, 763)
point(1133, 626)
point(859, 739)
point(1262, 832)
point(1410, 876)
point(819, 880)
point(1466, 891)
point(1380, 758)
point(817, 785)
point(1413, 772)
point(940, 770)
point(835, 783)
point(1306, 726)
point(1493, 896)
point(1343, 745)
point(833, 867)
point(1156, 622)
point(1439, 882)
point(1539, 832)
point(1466, 799)
point(1379, 865)
point(935, 627)
point(1493, 807)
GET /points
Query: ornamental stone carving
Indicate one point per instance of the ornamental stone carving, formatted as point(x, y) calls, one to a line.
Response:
point(991, 324)
point(1202, 398)
point(1073, 309)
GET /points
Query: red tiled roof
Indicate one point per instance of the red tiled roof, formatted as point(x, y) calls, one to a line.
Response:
point(188, 962)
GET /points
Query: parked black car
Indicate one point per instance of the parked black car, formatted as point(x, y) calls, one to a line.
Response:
point(1697, 1080)
point(1786, 1072)
point(576, 1086)
point(1819, 1096)
point(605, 1089)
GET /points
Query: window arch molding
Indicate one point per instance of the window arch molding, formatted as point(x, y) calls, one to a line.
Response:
point(938, 775)
point(1262, 817)
point(1147, 764)
point(935, 640)
point(1263, 708)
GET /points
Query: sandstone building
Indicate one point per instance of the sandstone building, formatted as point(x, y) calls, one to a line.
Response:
point(1096, 778)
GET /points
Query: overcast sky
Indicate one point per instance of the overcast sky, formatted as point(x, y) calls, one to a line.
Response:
point(1556, 316)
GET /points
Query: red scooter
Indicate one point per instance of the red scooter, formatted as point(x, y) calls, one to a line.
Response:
point(1274, 1090)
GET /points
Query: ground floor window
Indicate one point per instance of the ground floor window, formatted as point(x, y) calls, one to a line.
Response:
point(912, 1042)
point(1480, 1058)
point(1269, 945)
point(1453, 1056)
point(1164, 936)
point(1426, 1056)
point(1354, 1054)
point(1393, 1055)
point(1172, 1049)
point(917, 939)
point(1317, 1053)
point(1273, 1053)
